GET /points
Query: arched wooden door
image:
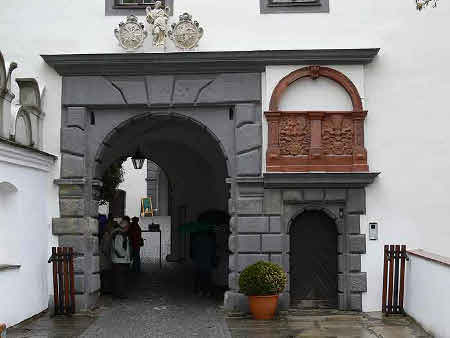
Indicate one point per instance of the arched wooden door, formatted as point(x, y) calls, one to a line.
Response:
point(313, 260)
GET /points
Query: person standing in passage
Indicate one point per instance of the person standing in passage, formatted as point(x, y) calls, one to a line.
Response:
point(120, 255)
point(105, 257)
point(203, 255)
point(135, 234)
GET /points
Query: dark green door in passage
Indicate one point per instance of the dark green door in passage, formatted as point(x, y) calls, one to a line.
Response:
point(313, 260)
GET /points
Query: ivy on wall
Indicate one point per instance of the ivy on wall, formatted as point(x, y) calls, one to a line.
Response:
point(421, 4)
point(111, 179)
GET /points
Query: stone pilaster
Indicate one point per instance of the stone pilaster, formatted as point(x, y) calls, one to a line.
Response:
point(77, 226)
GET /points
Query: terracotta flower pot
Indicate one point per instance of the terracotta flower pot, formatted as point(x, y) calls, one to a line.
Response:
point(263, 307)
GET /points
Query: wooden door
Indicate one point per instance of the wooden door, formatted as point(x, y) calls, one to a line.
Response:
point(313, 260)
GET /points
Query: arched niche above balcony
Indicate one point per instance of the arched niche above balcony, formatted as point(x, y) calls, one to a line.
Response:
point(6, 187)
point(28, 123)
point(311, 140)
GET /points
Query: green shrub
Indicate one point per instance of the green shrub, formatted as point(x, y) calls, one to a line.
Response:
point(262, 279)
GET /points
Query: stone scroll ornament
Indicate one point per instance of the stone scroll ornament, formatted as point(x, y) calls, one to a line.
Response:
point(186, 33)
point(131, 33)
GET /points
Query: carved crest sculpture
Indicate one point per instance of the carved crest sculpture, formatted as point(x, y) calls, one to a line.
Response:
point(158, 18)
point(300, 141)
point(186, 33)
point(131, 33)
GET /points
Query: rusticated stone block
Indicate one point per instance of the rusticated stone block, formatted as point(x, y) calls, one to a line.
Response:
point(249, 243)
point(249, 164)
point(236, 302)
point(159, 89)
point(73, 140)
point(249, 206)
point(357, 282)
point(72, 166)
point(188, 88)
point(93, 283)
point(356, 201)
point(284, 301)
point(357, 244)
point(272, 202)
point(248, 137)
point(341, 282)
point(245, 113)
point(356, 302)
point(272, 243)
point(233, 281)
point(342, 301)
point(74, 226)
point(276, 259)
point(234, 224)
point(253, 224)
point(335, 195)
point(80, 283)
point(248, 259)
point(233, 244)
point(286, 262)
point(76, 117)
point(71, 207)
point(352, 224)
point(293, 195)
point(275, 224)
point(77, 242)
point(233, 87)
point(340, 244)
point(233, 263)
point(313, 194)
point(349, 263)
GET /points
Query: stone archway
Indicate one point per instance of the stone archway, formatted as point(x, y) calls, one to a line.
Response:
point(189, 153)
point(219, 110)
point(313, 260)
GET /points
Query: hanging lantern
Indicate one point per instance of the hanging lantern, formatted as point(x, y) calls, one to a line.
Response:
point(138, 159)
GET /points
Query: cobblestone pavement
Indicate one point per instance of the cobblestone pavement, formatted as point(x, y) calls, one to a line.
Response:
point(327, 323)
point(161, 304)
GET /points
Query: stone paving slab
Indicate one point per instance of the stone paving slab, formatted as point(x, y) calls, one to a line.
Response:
point(327, 323)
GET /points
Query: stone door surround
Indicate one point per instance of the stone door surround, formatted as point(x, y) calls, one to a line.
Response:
point(264, 209)
point(316, 140)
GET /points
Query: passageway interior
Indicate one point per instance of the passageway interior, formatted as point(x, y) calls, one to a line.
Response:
point(196, 168)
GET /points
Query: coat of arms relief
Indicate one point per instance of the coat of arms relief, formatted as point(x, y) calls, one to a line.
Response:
point(185, 33)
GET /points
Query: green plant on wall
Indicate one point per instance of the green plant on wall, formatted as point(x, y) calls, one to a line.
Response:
point(111, 179)
point(421, 4)
point(262, 279)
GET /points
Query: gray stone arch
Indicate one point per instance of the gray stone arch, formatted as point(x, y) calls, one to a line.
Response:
point(213, 175)
point(141, 118)
point(313, 207)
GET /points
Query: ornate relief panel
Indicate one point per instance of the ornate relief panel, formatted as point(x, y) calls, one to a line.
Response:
point(295, 135)
point(302, 141)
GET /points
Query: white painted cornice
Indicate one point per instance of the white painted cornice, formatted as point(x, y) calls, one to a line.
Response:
point(25, 157)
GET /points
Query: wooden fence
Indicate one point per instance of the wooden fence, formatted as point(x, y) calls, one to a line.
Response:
point(394, 279)
point(63, 280)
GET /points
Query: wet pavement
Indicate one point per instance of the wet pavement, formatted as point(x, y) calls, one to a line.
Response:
point(161, 304)
point(327, 323)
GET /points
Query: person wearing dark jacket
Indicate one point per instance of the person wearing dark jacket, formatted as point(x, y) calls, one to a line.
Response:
point(136, 240)
point(203, 255)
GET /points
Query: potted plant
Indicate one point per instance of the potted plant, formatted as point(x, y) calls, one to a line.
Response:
point(262, 282)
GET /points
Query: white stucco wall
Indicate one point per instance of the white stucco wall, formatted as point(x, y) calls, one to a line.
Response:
point(135, 186)
point(427, 295)
point(405, 91)
point(25, 233)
